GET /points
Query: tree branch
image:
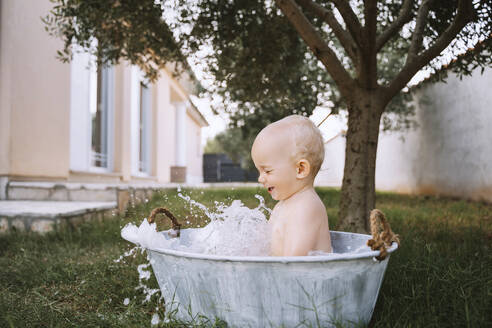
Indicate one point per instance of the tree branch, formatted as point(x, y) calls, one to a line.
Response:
point(327, 16)
point(350, 19)
point(369, 29)
point(404, 17)
point(317, 45)
point(419, 30)
point(463, 17)
point(368, 72)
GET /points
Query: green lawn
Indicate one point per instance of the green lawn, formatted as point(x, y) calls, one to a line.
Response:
point(441, 276)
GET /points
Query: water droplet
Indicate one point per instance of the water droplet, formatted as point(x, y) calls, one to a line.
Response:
point(155, 319)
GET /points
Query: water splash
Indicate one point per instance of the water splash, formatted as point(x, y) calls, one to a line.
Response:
point(132, 252)
point(155, 320)
point(144, 274)
point(233, 229)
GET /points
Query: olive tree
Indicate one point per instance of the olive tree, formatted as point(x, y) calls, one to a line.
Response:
point(270, 58)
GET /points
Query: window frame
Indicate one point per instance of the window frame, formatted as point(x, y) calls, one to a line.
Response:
point(141, 143)
point(83, 99)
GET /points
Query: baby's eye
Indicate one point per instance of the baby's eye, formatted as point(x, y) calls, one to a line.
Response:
point(268, 171)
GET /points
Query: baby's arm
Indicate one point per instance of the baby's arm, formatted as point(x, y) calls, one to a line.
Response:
point(301, 232)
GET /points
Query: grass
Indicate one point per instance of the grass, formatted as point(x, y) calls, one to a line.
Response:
point(441, 276)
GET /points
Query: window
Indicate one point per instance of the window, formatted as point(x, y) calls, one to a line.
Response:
point(141, 124)
point(101, 118)
point(91, 114)
point(99, 125)
point(145, 129)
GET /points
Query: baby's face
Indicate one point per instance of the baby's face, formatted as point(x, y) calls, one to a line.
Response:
point(277, 168)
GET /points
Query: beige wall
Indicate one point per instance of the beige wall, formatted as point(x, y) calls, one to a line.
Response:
point(35, 107)
point(164, 135)
point(165, 93)
point(122, 137)
point(38, 85)
point(193, 151)
point(5, 86)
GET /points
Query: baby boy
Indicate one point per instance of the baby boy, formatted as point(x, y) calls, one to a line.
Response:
point(288, 154)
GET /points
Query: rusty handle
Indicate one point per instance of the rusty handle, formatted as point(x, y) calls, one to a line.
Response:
point(163, 210)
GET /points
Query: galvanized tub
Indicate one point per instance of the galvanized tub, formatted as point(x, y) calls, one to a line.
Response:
point(318, 291)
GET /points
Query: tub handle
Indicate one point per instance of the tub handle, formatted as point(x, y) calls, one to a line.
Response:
point(175, 232)
point(382, 235)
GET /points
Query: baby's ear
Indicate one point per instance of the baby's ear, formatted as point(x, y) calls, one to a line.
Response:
point(303, 168)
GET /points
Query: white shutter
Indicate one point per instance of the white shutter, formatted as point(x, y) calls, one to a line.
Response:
point(80, 134)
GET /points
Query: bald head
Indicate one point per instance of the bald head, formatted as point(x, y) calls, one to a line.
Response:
point(297, 137)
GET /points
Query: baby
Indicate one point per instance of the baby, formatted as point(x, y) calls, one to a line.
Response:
point(288, 154)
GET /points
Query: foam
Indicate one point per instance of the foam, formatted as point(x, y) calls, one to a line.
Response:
point(228, 233)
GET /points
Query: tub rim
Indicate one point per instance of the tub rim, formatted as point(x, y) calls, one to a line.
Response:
point(279, 259)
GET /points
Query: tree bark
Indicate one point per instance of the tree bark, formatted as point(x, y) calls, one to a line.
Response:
point(358, 187)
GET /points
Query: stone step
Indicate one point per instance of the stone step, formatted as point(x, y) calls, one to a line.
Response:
point(98, 192)
point(82, 192)
point(121, 193)
point(43, 216)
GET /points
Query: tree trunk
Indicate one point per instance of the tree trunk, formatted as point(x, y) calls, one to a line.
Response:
point(358, 188)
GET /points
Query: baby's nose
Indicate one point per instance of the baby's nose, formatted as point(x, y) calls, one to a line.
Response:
point(261, 178)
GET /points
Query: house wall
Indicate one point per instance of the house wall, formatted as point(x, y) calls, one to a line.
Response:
point(5, 87)
point(166, 93)
point(36, 90)
point(331, 171)
point(33, 111)
point(164, 131)
point(449, 153)
point(194, 154)
point(122, 121)
point(395, 170)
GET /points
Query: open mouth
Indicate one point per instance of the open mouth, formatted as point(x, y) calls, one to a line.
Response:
point(270, 189)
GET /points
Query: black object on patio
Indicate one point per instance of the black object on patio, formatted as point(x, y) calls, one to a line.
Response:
point(220, 168)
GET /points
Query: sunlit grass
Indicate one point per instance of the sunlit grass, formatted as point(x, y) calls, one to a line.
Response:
point(440, 277)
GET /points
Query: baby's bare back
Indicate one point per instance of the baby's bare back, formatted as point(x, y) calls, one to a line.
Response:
point(300, 225)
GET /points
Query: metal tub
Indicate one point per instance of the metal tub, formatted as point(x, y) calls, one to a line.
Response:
point(318, 291)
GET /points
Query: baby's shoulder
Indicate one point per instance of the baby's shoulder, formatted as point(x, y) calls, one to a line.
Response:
point(308, 209)
point(312, 202)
